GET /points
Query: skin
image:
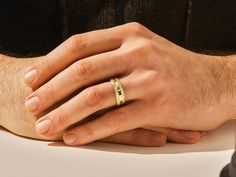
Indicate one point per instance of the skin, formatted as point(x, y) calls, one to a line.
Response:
point(165, 86)
point(13, 91)
point(15, 118)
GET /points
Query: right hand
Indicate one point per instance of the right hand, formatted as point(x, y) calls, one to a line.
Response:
point(64, 51)
point(16, 119)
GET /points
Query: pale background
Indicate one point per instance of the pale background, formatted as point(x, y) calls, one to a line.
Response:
point(20, 157)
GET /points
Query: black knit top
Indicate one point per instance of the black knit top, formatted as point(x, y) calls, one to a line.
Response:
point(32, 28)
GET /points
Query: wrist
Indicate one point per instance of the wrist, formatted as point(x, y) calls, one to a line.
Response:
point(229, 72)
point(231, 60)
point(220, 73)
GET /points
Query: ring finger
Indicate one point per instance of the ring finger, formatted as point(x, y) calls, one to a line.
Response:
point(86, 103)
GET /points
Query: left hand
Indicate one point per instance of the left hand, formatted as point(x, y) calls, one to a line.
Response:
point(165, 85)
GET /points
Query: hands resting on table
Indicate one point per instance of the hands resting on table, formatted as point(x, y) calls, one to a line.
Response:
point(171, 93)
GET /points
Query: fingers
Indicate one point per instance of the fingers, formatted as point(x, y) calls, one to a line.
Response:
point(119, 120)
point(138, 137)
point(148, 138)
point(75, 48)
point(89, 101)
point(81, 74)
point(179, 136)
point(184, 136)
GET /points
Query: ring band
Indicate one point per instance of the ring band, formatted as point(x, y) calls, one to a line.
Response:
point(119, 91)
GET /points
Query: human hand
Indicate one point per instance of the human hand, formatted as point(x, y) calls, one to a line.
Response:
point(16, 119)
point(184, 88)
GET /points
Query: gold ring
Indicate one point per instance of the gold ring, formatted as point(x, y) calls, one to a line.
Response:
point(119, 91)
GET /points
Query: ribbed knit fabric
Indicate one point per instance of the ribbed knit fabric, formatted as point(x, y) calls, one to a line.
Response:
point(165, 17)
point(212, 25)
point(29, 28)
point(87, 15)
point(33, 28)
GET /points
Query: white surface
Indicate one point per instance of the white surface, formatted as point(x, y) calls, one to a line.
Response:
point(21, 157)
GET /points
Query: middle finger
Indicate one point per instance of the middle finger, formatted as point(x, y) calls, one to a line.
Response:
point(81, 74)
point(86, 103)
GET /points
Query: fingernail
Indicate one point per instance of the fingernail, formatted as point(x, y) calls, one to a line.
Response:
point(30, 77)
point(189, 134)
point(70, 139)
point(44, 126)
point(32, 104)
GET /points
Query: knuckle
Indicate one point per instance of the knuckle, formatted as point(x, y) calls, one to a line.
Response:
point(164, 89)
point(149, 80)
point(114, 121)
point(150, 77)
point(61, 117)
point(46, 62)
point(93, 96)
point(90, 134)
point(76, 42)
point(83, 67)
point(149, 46)
point(135, 28)
point(49, 92)
point(144, 48)
point(138, 51)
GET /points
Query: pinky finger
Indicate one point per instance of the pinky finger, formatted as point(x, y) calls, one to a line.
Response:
point(138, 137)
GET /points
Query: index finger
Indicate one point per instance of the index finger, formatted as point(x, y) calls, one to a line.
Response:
point(75, 48)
